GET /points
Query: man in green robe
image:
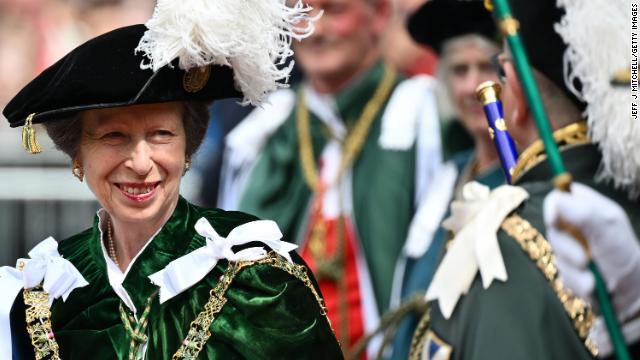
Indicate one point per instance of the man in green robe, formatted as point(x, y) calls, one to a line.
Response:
point(464, 36)
point(341, 168)
point(523, 303)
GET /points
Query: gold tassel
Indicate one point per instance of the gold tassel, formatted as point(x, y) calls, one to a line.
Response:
point(29, 141)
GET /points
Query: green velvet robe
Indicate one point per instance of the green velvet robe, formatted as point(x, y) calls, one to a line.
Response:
point(269, 314)
point(523, 318)
point(382, 180)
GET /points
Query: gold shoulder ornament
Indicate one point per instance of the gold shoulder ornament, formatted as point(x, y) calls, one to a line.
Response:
point(569, 136)
point(540, 251)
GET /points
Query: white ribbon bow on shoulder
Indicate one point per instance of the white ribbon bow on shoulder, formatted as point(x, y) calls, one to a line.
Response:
point(186, 271)
point(475, 221)
point(57, 275)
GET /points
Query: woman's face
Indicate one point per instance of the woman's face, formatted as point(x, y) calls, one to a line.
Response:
point(133, 159)
point(468, 65)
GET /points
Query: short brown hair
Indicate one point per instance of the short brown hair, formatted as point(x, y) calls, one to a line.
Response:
point(67, 133)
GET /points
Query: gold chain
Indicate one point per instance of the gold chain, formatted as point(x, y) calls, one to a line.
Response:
point(420, 336)
point(355, 139)
point(138, 333)
point(38, 316)
point(571, 135)
point(540, 251)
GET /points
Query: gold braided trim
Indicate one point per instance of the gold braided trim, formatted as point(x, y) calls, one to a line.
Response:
point(420, 336)
point(566, 137)
point(540, 251)
point(354, 141)
point(38, 316)
point(199, 331)
point(295, 270)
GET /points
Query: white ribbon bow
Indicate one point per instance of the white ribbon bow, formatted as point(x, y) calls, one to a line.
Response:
point(475, 221)
point(184, 272)
point(59, 275)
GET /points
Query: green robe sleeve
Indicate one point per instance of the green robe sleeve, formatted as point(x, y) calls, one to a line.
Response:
point(271, 314)
point(267, 313)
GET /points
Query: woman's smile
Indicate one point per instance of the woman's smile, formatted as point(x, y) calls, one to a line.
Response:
point(138, 192)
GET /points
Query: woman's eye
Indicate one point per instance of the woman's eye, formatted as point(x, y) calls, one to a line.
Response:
point(113, 136)
point(459, 70)
point(163, 133)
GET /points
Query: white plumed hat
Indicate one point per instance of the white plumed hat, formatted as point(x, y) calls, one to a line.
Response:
point(598, 38)
point(251, 36)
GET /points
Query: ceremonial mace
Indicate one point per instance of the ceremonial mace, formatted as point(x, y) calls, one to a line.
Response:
point(489, 95)
point(562, 179)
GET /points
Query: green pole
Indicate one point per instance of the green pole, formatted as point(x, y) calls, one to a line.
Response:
point(609, 314)
point(562, 179)
point(509, 26)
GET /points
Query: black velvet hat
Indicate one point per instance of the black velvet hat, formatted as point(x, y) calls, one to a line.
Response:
point(105, 72)
point(545, 48)
point(440, 20)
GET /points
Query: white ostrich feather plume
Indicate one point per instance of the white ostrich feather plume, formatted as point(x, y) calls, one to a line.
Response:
point(598, 38)
point(251, 36)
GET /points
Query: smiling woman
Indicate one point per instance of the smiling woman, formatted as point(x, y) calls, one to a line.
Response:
point(132, 159)
point(156, 276)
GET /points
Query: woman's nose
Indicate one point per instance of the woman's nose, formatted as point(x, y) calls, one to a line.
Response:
point(140, 160)
point(472, 80)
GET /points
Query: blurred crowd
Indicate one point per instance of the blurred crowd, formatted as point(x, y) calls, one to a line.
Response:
point(36, 33)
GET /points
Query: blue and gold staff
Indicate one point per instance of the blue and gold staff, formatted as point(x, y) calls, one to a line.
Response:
point(489, 95)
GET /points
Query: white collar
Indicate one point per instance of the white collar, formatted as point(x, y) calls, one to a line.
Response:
point(325, 108)
point(115, 275)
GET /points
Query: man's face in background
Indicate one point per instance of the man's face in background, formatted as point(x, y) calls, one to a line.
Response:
point(344, 42)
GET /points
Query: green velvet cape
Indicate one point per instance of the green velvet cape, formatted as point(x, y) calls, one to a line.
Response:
point(383, 186)
point(269, 314)
point(523, 318)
